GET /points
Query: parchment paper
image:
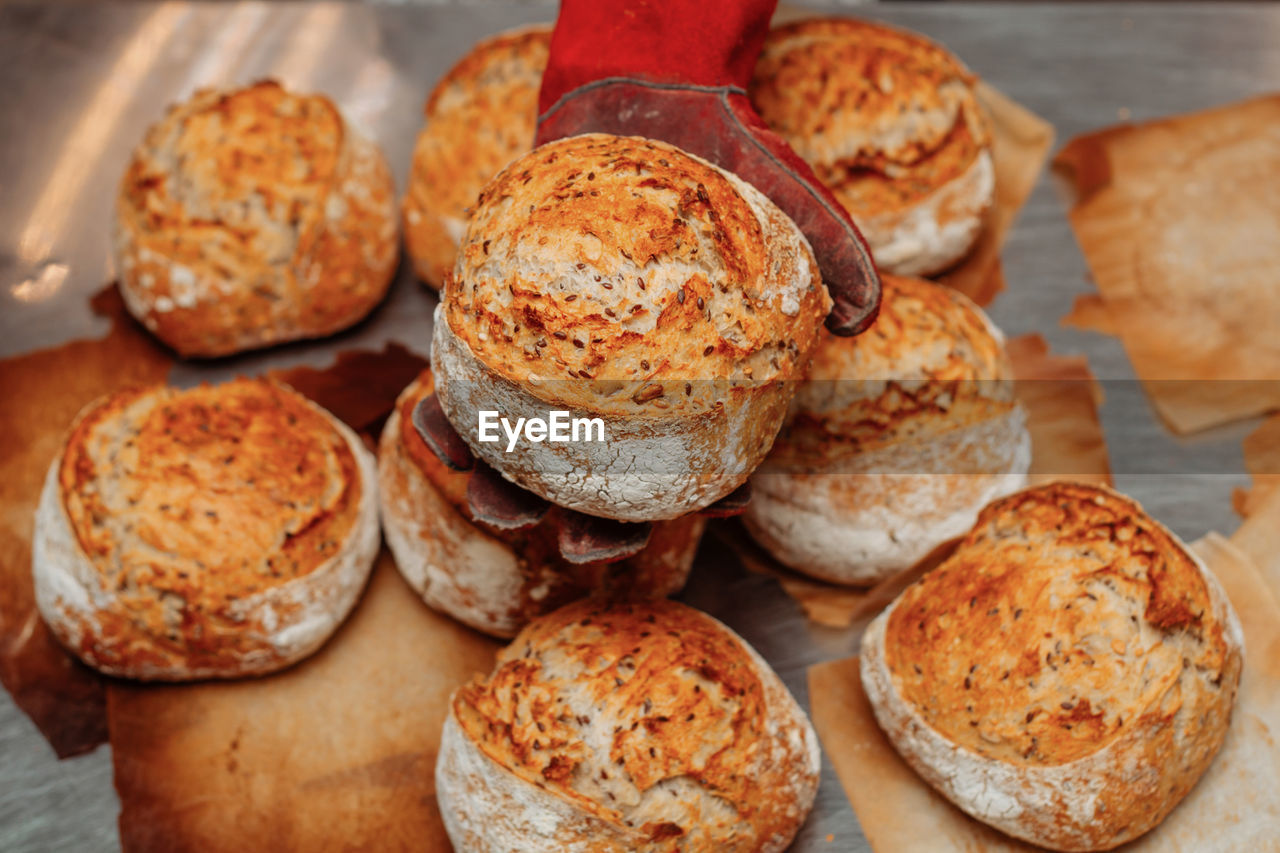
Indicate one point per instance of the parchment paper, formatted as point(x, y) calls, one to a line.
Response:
point(1020, 144)
point(1061, 397)
point(1259, 537)
point(1235, 806)
point(1180, 224)
point(1262, 461)
point(42, 391)
point(337, 753)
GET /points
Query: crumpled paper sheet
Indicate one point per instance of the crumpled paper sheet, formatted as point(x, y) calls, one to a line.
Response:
point(336, 753)
point(42, 392)
point(1235, 806)
point(1020, 145)
point(1259, 536)
point(360, 387)
point(1180, 224)
point(1262, 461)
point(1061, 397)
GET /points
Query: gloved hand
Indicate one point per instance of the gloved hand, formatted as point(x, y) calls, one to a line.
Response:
point(506, 506)
point(674, 70)
point(677, 70)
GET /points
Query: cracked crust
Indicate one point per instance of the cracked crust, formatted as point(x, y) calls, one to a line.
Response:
point(479, 117)
point(251, 217)
point(1066, 675)
point(209, 533)
point(646, 727)
point(891, 123)
point(493, 580)
point(621, 278)
point(897, 439)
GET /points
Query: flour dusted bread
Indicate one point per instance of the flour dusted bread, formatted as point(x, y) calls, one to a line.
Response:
point(479, 117)
point(626, 727)
point(891, 123)
point(497, 580)
point(624, 279)
point(251, 217)
point(897, 439)
point(1066, 675)
point(208, 533)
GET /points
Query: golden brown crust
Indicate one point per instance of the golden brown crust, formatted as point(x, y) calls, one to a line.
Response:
point(479, 117)
point(886, 118)
point(828, 84)
point(541, 578)
point(1065, 616)
point(251, 217)
point(188, 504)
point(613, 708)
point(1066, 676)
point(627, 260)
point(932, 362)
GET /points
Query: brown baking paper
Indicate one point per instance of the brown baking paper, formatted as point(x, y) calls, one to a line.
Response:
point(1061, 397)
point(1180, 225)
point(1262, 461)
point(1020, 143)
point(1235, 806)
point(337, 753)
point(1259, 537)
point(360, 387)
point(43, 391)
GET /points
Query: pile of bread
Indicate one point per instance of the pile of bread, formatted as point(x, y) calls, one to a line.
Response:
point(1066, 675)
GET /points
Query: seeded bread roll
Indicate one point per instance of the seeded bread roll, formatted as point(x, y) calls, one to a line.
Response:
point(891, 123)
point(251, 217)
point(479, 117)
point(497, 580)
point(210, 533)
point(643, 727)
point(624, 279)
point(897, 439)
point(1066, 675)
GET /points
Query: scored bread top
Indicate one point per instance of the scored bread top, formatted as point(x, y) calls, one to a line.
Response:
point(628, 260)
point(480, 117)
point(931, 362)
point(187, 502)
point(883, 116)
point(651, 715)
point(253, 216)
point(1065, 618)
point(236, 179)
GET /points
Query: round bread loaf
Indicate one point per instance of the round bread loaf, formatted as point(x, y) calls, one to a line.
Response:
point(251, 217)
point(623, 279)
point(1066, 675)
point(639, 727)
point(497, 580)
point(479, 117)
point(891, 123)
point(897, 439)
point(209, 533)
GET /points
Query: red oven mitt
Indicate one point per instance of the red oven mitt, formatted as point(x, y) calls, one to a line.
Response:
point(674, 70)
point(677, 70)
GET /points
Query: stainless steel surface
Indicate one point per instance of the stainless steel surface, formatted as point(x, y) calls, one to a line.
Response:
point(78, 83)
